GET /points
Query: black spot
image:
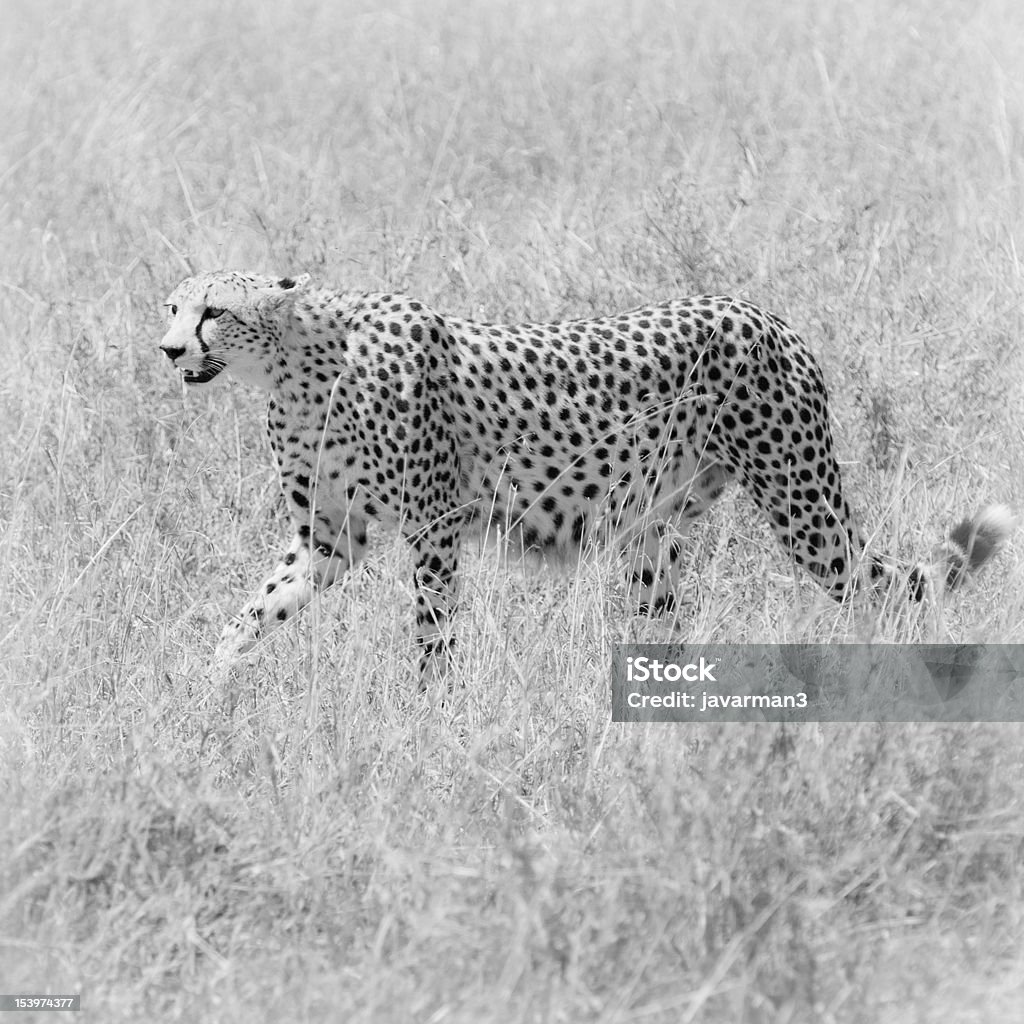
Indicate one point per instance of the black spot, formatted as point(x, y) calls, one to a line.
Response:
point(579, 528)
point(646, 578)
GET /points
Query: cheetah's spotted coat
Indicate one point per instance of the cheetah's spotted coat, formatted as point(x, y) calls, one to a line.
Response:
point(381, 409)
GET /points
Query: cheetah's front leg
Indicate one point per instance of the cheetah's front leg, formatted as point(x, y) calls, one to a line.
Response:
point(311, 563)
point(436, 556)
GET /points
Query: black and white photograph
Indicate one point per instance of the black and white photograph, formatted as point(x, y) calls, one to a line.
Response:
point(512, 512)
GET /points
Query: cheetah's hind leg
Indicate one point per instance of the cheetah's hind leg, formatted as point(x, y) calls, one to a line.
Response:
point(656, 554)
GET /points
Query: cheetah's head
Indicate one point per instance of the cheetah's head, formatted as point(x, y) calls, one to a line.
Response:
point(228, 321)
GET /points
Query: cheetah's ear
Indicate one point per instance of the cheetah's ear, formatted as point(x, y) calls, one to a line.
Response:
point(293, 283)
point(282, 293)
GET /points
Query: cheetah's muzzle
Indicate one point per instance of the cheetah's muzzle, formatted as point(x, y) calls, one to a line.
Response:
point(204, 375)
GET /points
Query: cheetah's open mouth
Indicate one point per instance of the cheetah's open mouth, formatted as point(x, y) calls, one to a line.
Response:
point(209, 370)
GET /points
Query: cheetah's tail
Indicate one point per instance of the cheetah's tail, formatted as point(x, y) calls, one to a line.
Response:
point(974, 541)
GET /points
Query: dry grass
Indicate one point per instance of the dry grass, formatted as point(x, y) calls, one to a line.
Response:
point(318, 843)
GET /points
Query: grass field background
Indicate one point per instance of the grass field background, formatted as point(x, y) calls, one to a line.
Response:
point(318, 842)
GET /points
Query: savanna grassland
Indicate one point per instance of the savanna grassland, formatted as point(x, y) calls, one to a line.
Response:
point(318, 842)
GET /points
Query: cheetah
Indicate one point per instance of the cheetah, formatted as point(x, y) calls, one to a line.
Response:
point(623, 428)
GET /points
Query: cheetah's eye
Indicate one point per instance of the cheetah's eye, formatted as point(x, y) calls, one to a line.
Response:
point(214, 313)
point(171, 308)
